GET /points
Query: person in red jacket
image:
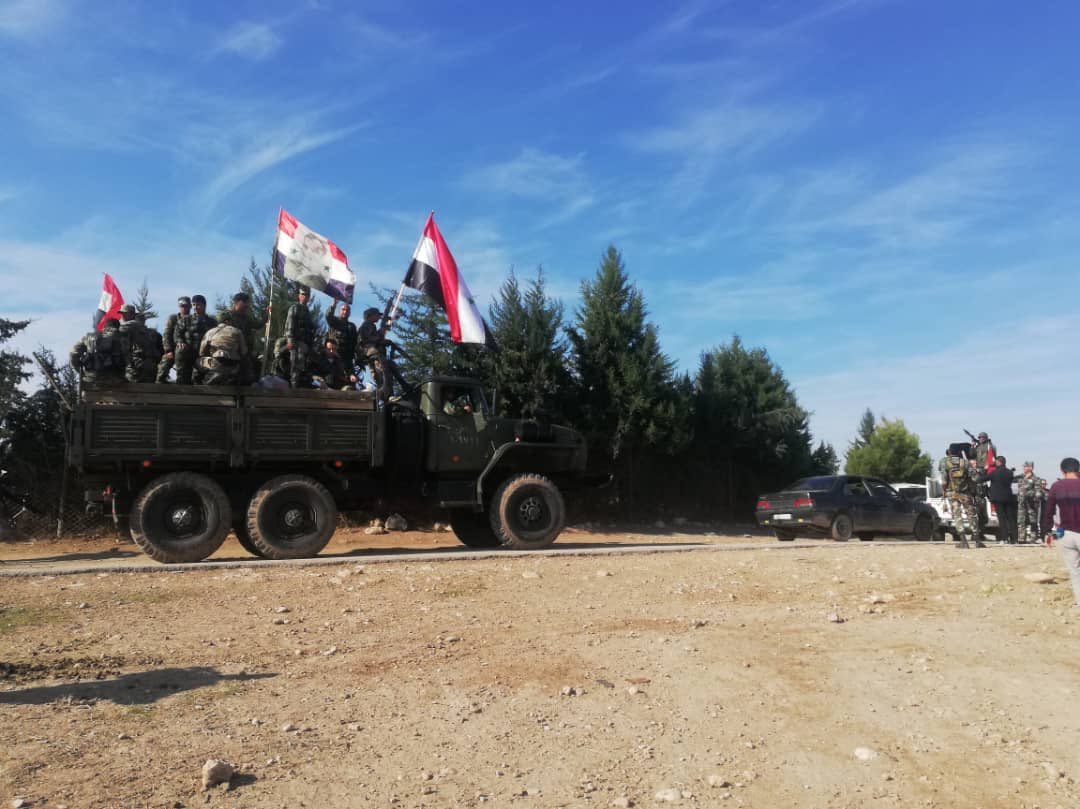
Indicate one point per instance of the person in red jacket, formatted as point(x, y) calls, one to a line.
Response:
point(1064, 497)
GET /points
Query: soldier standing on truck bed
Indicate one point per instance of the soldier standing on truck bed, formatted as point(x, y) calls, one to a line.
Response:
point(143, 346)
point(168, 337)
point(299, 334)
point(984, 452)
point(223, 356)
point(240, 317)
point(101, 356)
point(343, 332)
point(373, 343)
point(960, 486)
point(187, 336)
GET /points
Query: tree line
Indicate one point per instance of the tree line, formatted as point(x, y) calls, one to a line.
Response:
point(700, 445)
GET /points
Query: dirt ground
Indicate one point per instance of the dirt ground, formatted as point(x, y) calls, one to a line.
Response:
point(899, 674)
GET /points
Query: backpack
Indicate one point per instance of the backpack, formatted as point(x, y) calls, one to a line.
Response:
point(959, 477)
point(228, 340)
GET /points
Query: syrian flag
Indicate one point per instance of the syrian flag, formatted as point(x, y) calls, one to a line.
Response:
point(303, 256)
point(108, 307)
point(434, 272)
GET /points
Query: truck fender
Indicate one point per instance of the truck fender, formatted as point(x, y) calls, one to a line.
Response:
point(510, 447)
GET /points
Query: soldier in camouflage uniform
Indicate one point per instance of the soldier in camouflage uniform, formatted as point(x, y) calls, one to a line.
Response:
point(978, 496)
point(960, 487)
point(984, 447)
point(1031, 491)
point(168, 338)
point(299, 335)
point(101, 356)
point(143, 346)
point(240, 317)
point(222, 356)
point(344, 333)
point(187, 337)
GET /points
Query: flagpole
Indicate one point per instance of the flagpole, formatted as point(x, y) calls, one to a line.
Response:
point(267, 349)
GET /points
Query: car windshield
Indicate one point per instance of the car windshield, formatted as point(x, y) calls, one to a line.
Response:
point(821, 484)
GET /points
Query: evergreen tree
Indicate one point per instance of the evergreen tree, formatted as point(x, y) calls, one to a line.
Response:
point(824, 460)
point(143, 304)
point(867, 425)
point(529, 367)
point(892, 454)
point(624, 399)
point(13, 371)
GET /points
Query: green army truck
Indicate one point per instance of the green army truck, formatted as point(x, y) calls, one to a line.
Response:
point(179, 466)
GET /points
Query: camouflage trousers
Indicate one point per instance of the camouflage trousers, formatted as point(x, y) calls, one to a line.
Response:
point(964, 517)
point(1027, 520)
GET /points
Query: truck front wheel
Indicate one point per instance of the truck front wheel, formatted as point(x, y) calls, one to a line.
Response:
point(473, 530)
point(527, 512)
point(180, 517)
point(291, 517)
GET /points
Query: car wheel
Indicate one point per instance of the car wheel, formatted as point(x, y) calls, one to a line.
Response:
point(924, 528)
point(867, 537)
point(180, 517)
point(842, 528)
point(784, 534)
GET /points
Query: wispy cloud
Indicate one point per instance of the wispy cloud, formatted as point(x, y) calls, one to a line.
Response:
point(25, 19)
point(251, 40)
point(539, 176)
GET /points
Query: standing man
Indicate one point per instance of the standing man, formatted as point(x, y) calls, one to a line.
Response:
point(344, 333)
point(142, 345)
point(1031, 490)
point(985, 452)
point(240, 317)
point(168, 339)
point(299, 334)
point(101, 356)
point(960, 486)
point(373, 343)
point(188, 336)
point(1001, 495)
point(1065, 498)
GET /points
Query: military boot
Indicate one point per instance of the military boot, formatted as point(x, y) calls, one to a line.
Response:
point(979, 543)
point(962, 542)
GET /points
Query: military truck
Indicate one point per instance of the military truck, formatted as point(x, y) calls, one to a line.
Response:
point(179, 466)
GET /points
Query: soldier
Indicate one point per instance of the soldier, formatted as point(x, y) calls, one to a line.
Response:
point(299, 334)
point(168, 358)
point(335, 374)
point(143, 346)
point(960, 486)
point(978, 494)
point(222, 356)
point(187, 337)
point(342, 331)
point(373, 343)
point(240, 317)
point(984, 450)
point(101, 356)
point(1031, 491)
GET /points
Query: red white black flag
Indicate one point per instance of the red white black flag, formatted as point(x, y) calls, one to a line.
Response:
point(434, 272)
point(108, 307)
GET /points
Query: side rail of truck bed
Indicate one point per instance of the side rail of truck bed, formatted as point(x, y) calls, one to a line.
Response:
point(237, 427)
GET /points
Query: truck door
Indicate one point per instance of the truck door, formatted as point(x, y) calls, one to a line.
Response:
point(459, 425)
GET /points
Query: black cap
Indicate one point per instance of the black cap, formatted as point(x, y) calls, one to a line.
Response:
point(241, 297)
point(371, 310)
point(198, 299)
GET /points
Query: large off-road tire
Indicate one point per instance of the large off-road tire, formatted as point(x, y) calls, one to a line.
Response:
point(244, 538)
point(180, 517)
point(291, 517)
point(474, 529)
point(527, 512)
point(842, 527)
point(924, 528)
point(784, 534)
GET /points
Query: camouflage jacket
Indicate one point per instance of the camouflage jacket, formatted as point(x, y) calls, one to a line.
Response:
point(167, 336)
point(190, 329)
point(101, 355)
point(143, 347)
point(344, 333)
point(1028, 489)
point(982, 451)
point(298, 325)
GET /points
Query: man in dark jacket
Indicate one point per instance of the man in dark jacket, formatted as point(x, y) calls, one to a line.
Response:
point(1001, 495)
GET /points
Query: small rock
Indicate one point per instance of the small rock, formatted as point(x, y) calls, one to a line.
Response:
point(669, 795)
point(530, 574)
point(425, 775)
point(123, 737)
point(256, 722)
point(718, 781)
point(82, 605)
point(280, 621)
point(437, 527)
point(20, 803)
point(634, 690)
point(215, 772)
point(603, 574)
point(1052, 771)
point(375, 530)
point(282, 610)
point(376, 523)
point(570, 691)
point(452, 639)
point(288, 727)
point(331, 651)
point(834, 618)
point(1040, 578)
point(865, 754)
point(604, 683)
point(697, 623)
point(395, 522)
point(622, 802)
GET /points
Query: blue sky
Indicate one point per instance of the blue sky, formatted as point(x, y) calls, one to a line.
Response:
point(881, 193)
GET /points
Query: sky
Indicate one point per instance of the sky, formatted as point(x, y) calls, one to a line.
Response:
point(884, 194)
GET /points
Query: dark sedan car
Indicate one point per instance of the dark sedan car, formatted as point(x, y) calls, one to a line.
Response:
point(842, 506)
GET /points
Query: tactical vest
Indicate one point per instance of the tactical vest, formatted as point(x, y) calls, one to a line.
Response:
point(960, 480)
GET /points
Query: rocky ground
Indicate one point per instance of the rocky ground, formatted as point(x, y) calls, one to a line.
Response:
point(901, 674)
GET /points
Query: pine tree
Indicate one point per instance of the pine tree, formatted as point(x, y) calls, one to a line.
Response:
point(623, 398)
point(824, 460)
point(143, 304)
point(13, 366)
point(865, 432)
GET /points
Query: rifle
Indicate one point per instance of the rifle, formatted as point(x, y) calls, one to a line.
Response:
point(974, 440)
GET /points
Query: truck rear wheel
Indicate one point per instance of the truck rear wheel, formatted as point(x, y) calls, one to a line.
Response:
point(244, 538)
point(291, 517)
point(180, 517)
point(527, 512)
point(474, 529)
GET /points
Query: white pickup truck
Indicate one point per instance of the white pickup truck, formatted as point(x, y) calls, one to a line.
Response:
point(935, 497)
